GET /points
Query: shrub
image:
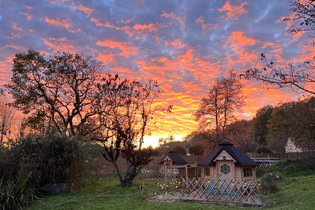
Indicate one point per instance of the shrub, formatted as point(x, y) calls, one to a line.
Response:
point(9, 164)
point(296, 166)
point(50, 159)
point(268, 182)
point(260, 171)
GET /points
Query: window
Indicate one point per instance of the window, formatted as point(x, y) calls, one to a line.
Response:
point(248, 172)
point(206, 171)
point(224, 157)
point(225, 169)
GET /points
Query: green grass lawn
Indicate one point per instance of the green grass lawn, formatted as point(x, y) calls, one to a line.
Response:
point(296, 192)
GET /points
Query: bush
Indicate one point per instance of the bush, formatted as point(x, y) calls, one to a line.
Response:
point(16, 195)
point(296, 166)
point(9, 164)
point(268, 183)
point(50, 159)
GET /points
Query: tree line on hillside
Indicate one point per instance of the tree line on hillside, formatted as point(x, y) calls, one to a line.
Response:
point(268, 131)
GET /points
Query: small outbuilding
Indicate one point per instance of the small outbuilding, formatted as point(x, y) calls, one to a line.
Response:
point(172, 159)
point(174, 162)
point(227, 162)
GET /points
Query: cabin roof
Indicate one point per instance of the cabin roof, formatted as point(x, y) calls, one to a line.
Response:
point(176, 159)
point(240, 158)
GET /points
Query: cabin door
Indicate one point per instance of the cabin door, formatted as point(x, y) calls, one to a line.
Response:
point(226, 170)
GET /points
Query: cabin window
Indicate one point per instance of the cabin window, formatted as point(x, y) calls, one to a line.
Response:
point(248, 172)
point(225, 169)
point(206, 171)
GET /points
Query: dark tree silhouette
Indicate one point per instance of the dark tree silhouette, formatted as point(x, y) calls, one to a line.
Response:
point(303, 17)
point(57, 91)
point(7, 116)
point(67, 93)
point(294, 120)
point(298, 76)
point(260, 123)
point(217, 108)
point(128, 107)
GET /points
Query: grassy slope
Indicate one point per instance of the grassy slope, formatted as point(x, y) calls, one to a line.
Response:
point(295, 193)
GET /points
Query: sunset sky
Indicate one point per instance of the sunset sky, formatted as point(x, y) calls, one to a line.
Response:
point(184, 45)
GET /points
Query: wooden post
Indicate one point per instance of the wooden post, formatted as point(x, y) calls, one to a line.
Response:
point(186, 172)
point(165, 174)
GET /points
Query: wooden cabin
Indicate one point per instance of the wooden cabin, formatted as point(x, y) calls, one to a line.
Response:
point(227, 162)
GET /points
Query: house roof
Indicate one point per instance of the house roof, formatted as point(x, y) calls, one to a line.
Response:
point(240, 158)
point(176, 159)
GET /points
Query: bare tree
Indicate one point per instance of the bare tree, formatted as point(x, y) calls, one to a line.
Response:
point(7, 116)
point(128, 107)
point(217, 109)
point(303, 18)
point(298, 76)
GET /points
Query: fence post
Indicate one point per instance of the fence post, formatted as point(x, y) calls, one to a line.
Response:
point(186, 173)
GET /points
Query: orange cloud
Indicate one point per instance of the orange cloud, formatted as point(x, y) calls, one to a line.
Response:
point(61, 23)
point(5, 69)
point(146, 27)
point(238, 38)
point(105, 58)
point(85, 9)
point(233, 12)
point(126, 49)
point(187, 57)
point(59, 44)
point(135, 30)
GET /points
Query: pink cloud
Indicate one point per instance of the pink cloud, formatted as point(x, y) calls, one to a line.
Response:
point(59, 44)
point(233, 12)
point(61, 23)
point(126, 49)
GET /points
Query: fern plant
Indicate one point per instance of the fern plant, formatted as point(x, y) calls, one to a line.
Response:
point(16, 195)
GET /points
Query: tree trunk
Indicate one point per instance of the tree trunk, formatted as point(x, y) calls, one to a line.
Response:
point(127, 182)
point(131, 173)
